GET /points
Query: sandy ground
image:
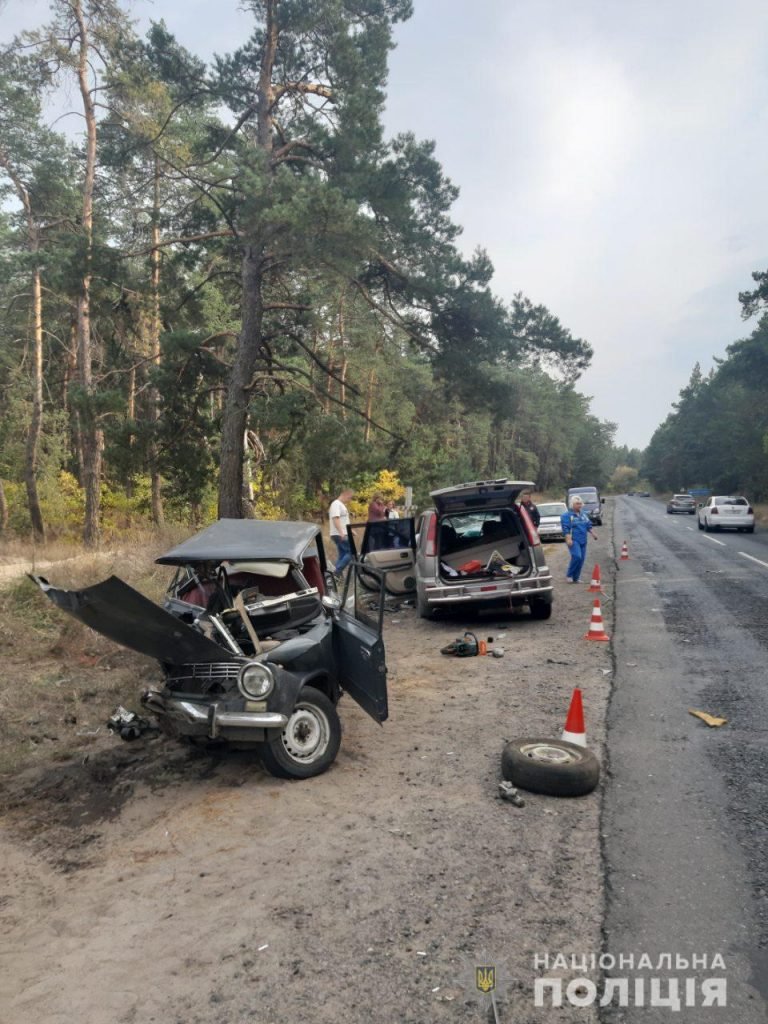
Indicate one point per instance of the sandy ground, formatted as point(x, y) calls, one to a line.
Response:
point(151, 882)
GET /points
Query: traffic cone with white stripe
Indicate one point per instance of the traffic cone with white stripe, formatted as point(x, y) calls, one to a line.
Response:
point(575, 730)
point(595, 587)
point(624, 552)
point(596, 631)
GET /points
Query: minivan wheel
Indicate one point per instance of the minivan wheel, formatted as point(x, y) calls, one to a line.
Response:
point(540, 609)
point(422, 606)
point(310, 741)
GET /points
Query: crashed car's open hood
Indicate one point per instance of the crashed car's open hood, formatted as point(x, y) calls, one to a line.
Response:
point(239, 540)
point(482, 494)
point(127, 617)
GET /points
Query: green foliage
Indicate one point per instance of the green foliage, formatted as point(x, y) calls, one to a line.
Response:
point(715, 435)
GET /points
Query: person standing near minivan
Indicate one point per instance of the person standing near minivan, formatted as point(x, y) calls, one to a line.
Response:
point(339, 518)
point(576, 527)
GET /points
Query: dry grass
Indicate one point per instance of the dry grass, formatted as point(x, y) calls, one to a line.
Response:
point(60, 680)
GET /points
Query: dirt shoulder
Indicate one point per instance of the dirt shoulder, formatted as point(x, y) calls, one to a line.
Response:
point(151, 882)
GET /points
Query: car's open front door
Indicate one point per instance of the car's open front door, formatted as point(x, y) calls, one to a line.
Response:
point(390, 547)
point(359, 645)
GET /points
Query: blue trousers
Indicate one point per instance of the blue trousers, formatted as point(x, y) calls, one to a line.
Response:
point(344, 553)
point(578, 554)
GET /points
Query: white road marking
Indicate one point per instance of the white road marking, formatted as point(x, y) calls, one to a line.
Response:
point(753, 559)
point(689, 528)
point(720, 542)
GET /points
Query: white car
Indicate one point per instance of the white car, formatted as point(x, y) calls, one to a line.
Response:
point(726, 512)
point(550, 527)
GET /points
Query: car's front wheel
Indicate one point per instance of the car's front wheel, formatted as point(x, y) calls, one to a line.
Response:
point(309, 743)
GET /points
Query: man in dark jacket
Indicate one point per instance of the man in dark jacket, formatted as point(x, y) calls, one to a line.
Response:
point(526, 502)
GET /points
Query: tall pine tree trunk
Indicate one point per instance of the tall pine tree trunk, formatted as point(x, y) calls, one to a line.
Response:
point(234, 421)
point(154, 338)
point(3, 509)
point(91, 435)
point(235, 417)
point(36, 420)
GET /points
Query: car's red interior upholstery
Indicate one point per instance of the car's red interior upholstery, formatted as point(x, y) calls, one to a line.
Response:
point(312, 574)
point(270, 586)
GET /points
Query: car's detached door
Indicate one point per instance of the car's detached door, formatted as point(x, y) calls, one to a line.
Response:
point(359, 645)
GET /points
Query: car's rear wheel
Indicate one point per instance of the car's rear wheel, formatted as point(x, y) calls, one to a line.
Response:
point(540, 609)
point(750, 529)
point(699, 523)
point(422, 606)
point(707, 527)
point(554, 767)
point(309, 743)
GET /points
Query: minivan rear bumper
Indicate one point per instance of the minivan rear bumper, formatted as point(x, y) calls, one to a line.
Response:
point(492, 590)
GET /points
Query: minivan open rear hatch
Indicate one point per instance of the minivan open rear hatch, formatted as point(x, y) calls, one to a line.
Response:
point(482, 494)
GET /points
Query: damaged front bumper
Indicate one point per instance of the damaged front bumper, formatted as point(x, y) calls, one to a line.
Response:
point(209, 720)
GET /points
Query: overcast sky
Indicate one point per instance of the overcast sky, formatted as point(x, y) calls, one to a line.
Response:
point(612, 159)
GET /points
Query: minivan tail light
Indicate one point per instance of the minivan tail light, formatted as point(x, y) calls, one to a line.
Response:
point(431, 549)
point(531, 531)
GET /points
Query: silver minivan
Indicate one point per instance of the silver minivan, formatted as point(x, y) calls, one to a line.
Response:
point(476, 547)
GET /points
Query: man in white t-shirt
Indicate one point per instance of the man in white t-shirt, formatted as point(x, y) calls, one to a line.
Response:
point(339, 517)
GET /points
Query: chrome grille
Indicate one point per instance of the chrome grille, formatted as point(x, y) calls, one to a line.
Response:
point(201, 676)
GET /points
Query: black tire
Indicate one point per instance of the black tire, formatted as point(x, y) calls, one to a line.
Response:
point(553, 767)
point(540, 609)
point(691, 513)
point(707, 527)
point(750, 529)
point(422, 607)
point(309, 743)
point(698, 523)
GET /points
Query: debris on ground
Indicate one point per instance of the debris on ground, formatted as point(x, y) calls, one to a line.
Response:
point(711, 720)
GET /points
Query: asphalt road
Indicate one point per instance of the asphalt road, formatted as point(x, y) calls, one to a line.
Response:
point(684, 820)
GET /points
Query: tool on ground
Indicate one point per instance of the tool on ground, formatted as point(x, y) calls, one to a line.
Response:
point(463, 647)
point(508, 792)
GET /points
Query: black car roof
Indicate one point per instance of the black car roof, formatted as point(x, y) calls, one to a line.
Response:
point(237, 540)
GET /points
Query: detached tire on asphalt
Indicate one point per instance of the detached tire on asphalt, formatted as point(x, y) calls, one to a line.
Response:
point(553, 767)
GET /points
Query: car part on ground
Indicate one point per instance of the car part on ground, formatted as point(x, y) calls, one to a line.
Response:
point(552, 767)
point(508, 792)
point(254, 642)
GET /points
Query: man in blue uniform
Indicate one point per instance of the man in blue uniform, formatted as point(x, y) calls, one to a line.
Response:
point(576, 525)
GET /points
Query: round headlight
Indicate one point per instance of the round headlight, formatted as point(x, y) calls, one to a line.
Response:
point(255, 680)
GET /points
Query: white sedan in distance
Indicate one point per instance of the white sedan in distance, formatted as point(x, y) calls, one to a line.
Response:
point(550, 527)
point(726, 512)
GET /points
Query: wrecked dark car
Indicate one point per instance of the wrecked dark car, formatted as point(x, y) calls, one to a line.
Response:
point(255, 644)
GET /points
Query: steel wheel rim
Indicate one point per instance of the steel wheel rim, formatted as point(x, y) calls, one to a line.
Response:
point(547, 753)
point(307, 734)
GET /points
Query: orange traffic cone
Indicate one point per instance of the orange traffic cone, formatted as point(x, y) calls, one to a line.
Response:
point(575, 731)
point(596, 631)
point(595, 586)
point(624, 552)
